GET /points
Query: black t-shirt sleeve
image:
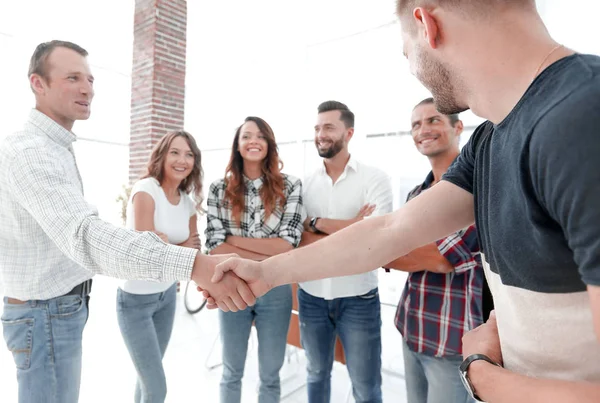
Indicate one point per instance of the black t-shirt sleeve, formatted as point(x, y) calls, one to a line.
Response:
point(460, 172)
point(565, 174)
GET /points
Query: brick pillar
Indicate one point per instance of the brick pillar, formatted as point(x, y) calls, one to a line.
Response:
point(158, 77)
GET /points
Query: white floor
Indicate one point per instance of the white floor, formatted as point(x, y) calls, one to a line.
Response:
point(108, 375)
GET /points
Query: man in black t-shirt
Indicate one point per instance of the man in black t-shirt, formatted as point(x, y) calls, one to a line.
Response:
point(530, 180)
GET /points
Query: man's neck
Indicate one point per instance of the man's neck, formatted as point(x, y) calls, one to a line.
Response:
point(66, 123)
point(336, 165)
point(494, 88)
point(441, 163)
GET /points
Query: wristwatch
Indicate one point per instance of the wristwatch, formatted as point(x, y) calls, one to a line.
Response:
point(313, 224)
point(464, 377)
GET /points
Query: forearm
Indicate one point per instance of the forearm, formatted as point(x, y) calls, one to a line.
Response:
point(226, 248)
point(427, 257)
point(310, 237)
point(406, 264)
point(371, 243)
point(498, 385)
point(262, 246)
point(329, 226)
point(129, 254)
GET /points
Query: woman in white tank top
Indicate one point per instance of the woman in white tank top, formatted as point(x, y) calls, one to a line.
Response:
point(165, 201)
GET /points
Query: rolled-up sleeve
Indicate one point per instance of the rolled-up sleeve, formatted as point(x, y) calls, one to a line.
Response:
point(215, 231)
point(292, 220)
point(461, 249)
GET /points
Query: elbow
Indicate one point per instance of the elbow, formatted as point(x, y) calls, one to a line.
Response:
point(287, 247)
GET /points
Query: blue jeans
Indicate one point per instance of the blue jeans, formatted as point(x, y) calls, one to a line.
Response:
point(44, 337)
point(357, 320)
point(271, 316)
point(432, 379)
point(146, 321)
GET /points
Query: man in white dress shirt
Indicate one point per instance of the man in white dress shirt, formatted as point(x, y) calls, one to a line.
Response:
point(52, 242)
point(339, 193)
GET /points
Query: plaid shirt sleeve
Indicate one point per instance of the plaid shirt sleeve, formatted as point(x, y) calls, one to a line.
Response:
point(461, 249)
point(58, 207)
point(215, 231)
point(292, 220)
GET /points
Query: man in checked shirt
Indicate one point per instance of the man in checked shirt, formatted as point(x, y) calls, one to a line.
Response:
point(52, 242)
point(442, 298)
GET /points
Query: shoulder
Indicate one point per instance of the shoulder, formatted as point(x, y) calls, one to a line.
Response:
point(371, 173)
point(149, 185)
point(568, 132)
point(25, 140)
point(217, 187)
point(291, 181)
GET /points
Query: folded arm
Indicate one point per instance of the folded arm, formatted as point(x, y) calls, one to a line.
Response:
point(427, 257)
point(371, 243)
point(227, 248)
point(260, 246)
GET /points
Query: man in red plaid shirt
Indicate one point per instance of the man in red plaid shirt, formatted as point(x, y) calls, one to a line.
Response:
point(442, 298)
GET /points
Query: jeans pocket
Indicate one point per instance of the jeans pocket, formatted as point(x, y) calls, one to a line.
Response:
point(68, 306)
point(18, 335)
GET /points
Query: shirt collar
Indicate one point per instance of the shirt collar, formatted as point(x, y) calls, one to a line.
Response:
point(256, 183)
point(352, 164)
point(51, 128)
point(429, 179)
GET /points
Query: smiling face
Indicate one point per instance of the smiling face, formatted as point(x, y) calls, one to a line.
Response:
point(331, 134)
point(179, 160)
point(66, 93)
point(252, 143)
point(432, 131)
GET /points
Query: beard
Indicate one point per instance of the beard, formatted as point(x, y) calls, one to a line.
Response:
point(332, 151)
point(439, 81)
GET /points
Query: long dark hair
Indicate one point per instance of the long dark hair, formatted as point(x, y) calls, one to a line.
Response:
point(271, 192)
point(192, 184)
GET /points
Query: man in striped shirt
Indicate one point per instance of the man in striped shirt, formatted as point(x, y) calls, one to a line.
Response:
point(442, 298)
point(52, 241)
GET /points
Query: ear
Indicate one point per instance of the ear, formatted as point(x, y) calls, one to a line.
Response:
point(349, 133)
point(38, 84)
point(427, 26)
point(458, 128)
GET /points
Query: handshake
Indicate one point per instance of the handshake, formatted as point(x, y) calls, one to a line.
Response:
point(229, 282)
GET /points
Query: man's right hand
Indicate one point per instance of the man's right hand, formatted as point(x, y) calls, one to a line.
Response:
point(366, 211)
point(192, 242)
point(248, 270)
point(230, 294)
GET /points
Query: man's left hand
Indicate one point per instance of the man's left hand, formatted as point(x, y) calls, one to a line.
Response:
point(484, 340)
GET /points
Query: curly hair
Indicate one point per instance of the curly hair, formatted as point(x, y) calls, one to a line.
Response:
point(271, 192)
point(192, 184)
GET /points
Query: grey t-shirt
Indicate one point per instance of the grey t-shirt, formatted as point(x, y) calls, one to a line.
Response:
point(535, 178)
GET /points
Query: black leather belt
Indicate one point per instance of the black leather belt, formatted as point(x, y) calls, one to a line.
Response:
point(82, 289)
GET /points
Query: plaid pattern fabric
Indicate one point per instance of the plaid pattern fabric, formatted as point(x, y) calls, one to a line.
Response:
point(50, 239)
point(436, 310)
point(285, 223)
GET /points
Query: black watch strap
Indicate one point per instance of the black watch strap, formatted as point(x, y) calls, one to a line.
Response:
point(465, 377)
point(313, 224)
point(475, 357)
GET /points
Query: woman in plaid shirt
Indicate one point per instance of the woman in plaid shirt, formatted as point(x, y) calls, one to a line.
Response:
point(256, 212)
